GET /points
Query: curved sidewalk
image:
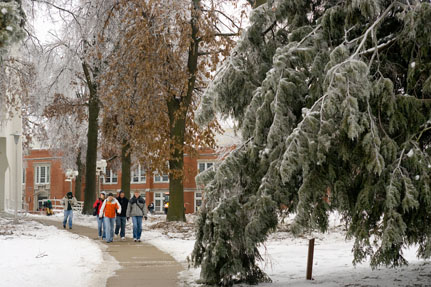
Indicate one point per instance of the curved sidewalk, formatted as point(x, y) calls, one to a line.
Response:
point(142, 264)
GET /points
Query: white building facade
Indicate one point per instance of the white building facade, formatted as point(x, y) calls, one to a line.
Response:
point(10, 161)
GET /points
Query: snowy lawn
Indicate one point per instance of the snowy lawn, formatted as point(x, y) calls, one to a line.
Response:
point(285, 256)
point(37, 255)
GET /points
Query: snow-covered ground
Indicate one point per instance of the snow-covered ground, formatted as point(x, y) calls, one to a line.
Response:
point(33, 254)
point(286, 256)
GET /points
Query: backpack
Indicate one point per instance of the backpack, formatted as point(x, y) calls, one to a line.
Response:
point(95, 209)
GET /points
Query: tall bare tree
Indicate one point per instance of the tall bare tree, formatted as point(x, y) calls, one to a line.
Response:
point(83, 23)
point(165, 57)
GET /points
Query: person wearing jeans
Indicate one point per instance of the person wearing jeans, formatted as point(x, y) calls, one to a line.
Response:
point(121, 217)
point(137, 228)
point(109, 228)
point(137, 209)
point(69, 201)
point(109, 207)
point(97, 205)
point(101, 229)
point(68, 214)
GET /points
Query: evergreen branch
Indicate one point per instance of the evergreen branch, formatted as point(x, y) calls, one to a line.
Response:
point(372, 128)
point(427, 101)
point(299, 126)
point(269, 28)
point(309, 34)
point(424, 130)
point(224, 155)
point(256, 3)
point(365, 36)
point(401, 157)
point(345, 35)
point(397, 168)
point(375, 53)
point(415, 144)
point(380, 124)
point(378, 47)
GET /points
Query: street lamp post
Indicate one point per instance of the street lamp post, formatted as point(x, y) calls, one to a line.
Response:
point(70, 175)
point(16, 137)
point(100, 166)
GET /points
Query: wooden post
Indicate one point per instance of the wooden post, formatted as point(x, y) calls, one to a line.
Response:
point(310, 259)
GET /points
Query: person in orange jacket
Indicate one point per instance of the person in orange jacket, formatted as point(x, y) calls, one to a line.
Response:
point(108, 210)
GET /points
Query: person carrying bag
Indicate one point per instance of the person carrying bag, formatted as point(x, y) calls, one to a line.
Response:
point(137, 209)
point(100, 224)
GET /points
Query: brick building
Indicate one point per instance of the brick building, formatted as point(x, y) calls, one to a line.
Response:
point(44, 177)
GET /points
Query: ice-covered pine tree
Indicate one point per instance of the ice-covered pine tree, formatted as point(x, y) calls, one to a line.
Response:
point(332, 97)
point(11, 22)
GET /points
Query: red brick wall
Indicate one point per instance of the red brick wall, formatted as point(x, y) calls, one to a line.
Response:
point(189, 202)
point(59, 187)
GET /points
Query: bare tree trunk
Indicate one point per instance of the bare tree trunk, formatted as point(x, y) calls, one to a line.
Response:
point(177, 109)
point(78, 181)
point(93, 127)
point(126, 162)
point(176, 163)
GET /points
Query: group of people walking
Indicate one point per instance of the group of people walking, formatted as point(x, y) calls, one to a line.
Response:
point(118, 210)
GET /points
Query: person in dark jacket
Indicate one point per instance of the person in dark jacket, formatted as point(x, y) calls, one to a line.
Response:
point(121, 217)
point(100, 223)
point(151, 208)
point(69, 202)
point(49, 208)
point(137, 209)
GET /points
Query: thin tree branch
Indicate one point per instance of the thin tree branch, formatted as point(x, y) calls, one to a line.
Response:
point(226, 34)
point(210, 52)
point(61, 9)
point(226, 16)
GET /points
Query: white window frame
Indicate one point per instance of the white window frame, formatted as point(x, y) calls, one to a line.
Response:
point(207, 165)
point(198, 198)
point(159, 197)
point(37, 174)
point(142, 178)
point(161, 178)
point(112, 176)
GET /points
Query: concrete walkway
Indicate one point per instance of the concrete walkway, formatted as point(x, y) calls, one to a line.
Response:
point(142, 264)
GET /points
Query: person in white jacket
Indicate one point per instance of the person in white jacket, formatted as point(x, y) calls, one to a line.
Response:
point(108, 210)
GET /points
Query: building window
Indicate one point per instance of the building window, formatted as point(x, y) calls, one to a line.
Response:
point(139, 175)
point(204, 166)
point(23, 176)
point(42, 174)
point(161, 178)
point(158, 201)
point(198, 200)
point(110, 177)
